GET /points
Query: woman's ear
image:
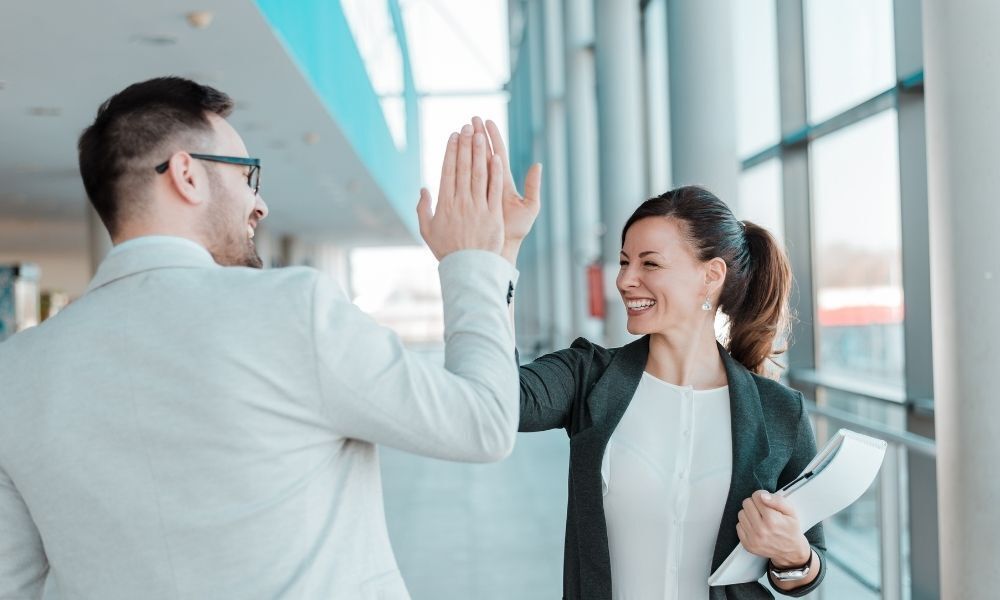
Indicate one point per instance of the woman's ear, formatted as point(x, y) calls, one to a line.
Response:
point(715, 274)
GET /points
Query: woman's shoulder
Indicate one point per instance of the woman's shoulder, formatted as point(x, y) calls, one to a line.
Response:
point(775, 393)
point(589, 354)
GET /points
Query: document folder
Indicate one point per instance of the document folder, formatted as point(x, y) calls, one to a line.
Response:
point(831, 482)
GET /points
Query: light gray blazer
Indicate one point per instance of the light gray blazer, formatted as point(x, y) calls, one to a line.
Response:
point(185, 430)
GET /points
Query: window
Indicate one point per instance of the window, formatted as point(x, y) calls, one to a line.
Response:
point(856, 223)
point(849, 53)
point(756, 50)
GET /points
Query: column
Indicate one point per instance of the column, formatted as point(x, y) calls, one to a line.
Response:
point(584, 183)
point(703, 96)
point(961, 52)
point(622, 140)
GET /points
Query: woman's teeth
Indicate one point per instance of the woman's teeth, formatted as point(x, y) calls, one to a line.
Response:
point(639, 304)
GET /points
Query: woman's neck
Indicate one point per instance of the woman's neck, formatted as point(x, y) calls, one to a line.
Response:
point(687, 358)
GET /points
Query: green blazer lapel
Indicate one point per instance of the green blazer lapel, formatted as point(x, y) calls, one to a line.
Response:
point(607, 402)
point(750, 449)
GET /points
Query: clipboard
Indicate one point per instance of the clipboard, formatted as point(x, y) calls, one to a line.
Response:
point(833, 480)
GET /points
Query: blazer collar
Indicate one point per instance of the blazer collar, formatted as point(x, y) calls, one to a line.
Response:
point(148, 253)
point(750, 448)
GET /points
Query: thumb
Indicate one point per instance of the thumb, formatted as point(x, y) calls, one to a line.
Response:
point(533, 184)
point(424, 212)
point(776, 502)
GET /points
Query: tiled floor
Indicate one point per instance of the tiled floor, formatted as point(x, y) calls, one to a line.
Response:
point(489, 532)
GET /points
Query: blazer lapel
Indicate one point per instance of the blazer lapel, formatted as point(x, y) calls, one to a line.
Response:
point(612, 394)
point(750, 449)
point(605, 404)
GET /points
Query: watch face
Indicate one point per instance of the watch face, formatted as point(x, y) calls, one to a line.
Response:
point(790, 575)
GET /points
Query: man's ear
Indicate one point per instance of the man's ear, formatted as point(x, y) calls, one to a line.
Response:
point(188, 177)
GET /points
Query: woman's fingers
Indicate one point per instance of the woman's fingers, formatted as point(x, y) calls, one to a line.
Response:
point(500, 148)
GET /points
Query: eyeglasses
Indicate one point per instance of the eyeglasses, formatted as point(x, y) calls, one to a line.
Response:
point(253, 177)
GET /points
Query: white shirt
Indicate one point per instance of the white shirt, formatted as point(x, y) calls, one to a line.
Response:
point(666, 473)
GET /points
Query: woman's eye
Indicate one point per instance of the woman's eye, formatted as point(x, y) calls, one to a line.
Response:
point(649, 264)
point(623, 264)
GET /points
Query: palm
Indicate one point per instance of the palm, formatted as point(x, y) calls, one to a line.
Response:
point(519, 213)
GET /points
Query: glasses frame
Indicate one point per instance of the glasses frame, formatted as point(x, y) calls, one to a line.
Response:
point(254, 163)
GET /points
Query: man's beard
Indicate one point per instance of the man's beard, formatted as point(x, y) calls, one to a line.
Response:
point(230, 245)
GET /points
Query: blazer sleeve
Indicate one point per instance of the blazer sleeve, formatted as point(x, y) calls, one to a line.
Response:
point(551, 384)
point(23, 565)
point(372, 388)
point(803, 452)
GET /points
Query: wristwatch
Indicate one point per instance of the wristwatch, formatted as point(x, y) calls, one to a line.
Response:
point(791, 573)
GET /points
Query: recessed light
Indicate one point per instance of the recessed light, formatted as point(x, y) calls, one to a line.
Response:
point(155, 39)
point(44, 111)
point(311, 138)
point(200, 19)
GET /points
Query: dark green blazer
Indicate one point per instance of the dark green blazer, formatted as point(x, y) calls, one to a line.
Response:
point(585, 390)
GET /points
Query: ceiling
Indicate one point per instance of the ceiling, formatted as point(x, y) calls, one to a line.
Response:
point(60, 60)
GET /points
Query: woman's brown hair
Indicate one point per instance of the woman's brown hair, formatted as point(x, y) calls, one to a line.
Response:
point(758, 278)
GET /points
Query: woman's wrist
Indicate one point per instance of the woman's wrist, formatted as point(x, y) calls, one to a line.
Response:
point(510, 250)
point(801, 555)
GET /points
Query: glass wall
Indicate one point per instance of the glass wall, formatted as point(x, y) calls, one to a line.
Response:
point(818, 90)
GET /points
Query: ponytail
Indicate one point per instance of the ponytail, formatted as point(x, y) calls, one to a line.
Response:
point(761, 317)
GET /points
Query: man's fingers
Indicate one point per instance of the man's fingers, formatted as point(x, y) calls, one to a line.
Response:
point(463, 171)
point(480, 166)
point(533, 184)
point(479, 127)
point(424, 212)
point(446, 191)
point(500, 148)
point(494, 196)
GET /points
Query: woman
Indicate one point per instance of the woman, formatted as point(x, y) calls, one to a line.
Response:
point(675, 439)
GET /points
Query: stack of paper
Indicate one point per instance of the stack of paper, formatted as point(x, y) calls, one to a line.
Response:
point(831, 482)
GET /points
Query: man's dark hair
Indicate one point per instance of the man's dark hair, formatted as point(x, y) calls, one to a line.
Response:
point(137, 129)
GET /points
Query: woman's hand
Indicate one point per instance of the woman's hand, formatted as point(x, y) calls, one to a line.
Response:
point(768, 527)
point(519, 212)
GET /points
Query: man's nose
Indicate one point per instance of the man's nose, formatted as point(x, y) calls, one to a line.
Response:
point(260, 208)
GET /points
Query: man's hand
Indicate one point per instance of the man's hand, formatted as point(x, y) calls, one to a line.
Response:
point(469, 212)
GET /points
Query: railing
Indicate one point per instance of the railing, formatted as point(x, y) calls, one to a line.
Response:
point(892, 508)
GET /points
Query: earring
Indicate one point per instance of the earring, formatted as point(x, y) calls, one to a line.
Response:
point(706, 305)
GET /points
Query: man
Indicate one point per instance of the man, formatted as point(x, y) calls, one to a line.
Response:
point(193, 428)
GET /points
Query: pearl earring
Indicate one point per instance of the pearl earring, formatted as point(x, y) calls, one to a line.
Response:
point(706, 305)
